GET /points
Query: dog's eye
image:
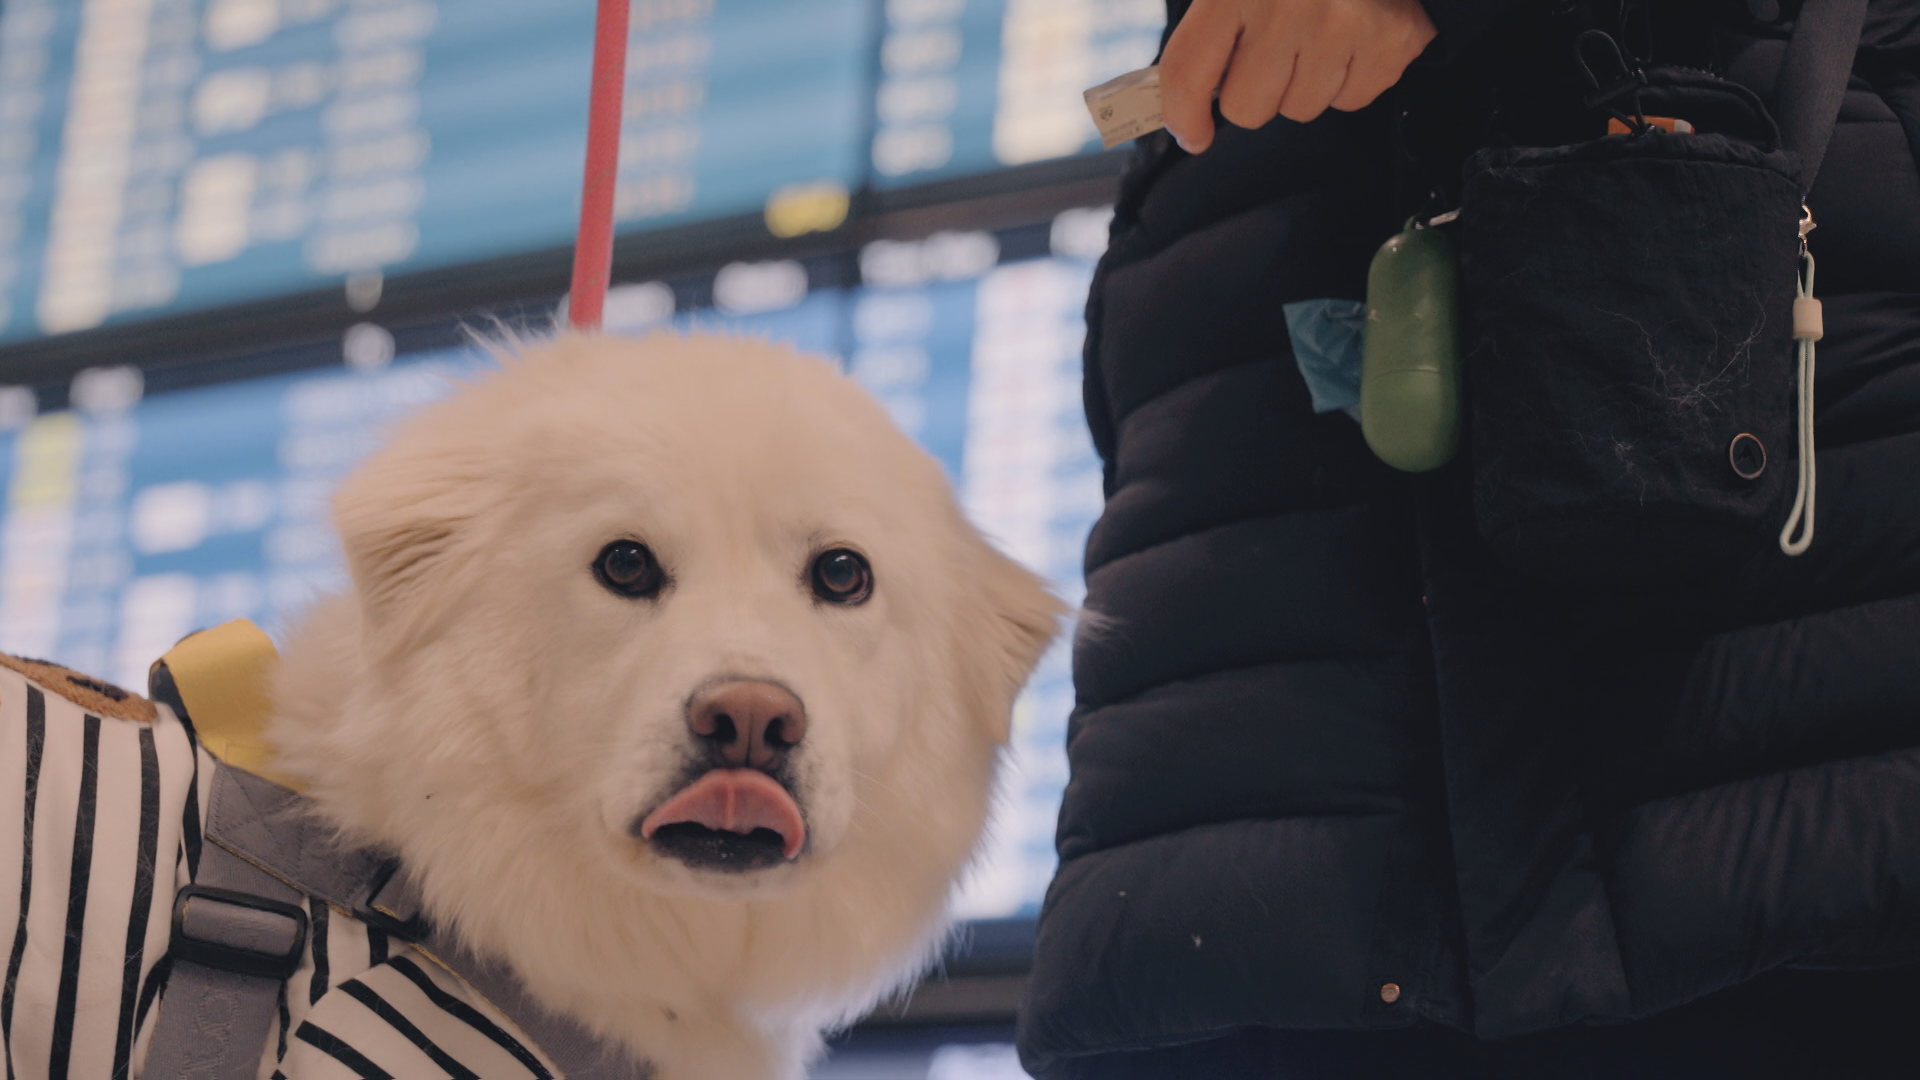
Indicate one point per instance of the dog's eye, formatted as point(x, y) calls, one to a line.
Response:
point(628, 568)
point(841, 577)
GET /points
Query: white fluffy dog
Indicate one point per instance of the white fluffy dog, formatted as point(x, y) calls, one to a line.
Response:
point(676, 677)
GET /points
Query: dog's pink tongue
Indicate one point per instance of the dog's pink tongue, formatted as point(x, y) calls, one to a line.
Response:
point(736, 801)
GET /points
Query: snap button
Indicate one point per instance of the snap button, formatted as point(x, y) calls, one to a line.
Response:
point(1390, 993)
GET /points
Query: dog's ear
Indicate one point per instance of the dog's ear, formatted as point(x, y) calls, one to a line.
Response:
point(406, 521)
point(1015, 619)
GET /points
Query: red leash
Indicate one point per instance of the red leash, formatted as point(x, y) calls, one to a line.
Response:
point(593, 249)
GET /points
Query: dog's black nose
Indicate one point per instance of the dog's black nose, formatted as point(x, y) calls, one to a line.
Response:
point(748, 723)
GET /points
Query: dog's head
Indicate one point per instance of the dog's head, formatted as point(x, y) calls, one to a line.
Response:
point(693, 606)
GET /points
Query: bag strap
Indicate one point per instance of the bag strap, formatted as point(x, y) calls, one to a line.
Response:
point(1813, 79)
point(238, 935)
point(266, 853)
point(240, 929)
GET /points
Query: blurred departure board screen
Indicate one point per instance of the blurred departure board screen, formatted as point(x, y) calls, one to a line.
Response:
point(159, 156)
point(130, 522)
point(971, 85)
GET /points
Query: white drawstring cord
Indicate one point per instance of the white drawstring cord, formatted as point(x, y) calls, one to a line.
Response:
point(1807, 329)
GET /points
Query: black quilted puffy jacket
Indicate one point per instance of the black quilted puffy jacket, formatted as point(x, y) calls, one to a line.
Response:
point(1335, 769)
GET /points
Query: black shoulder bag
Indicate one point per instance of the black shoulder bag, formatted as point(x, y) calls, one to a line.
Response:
point(1640, 418)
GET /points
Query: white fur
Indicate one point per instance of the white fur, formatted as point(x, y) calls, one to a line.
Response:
point(480, 703)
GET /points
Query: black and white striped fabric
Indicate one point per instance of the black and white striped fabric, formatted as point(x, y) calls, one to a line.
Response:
point(101, 823)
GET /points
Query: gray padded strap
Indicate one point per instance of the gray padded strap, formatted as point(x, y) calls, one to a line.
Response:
point(277, 829)
point(579, 1053)
point(213, 1024)
point(1813, 79)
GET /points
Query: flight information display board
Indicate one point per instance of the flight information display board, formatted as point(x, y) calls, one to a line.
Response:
point(131, 525)
point(159, 156)
point(971, 85)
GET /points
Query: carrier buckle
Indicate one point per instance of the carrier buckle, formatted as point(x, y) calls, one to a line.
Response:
point(238, 932)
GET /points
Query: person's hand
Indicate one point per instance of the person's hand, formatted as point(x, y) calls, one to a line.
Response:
point(1291, 58)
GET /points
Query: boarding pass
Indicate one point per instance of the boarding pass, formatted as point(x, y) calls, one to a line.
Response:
point(1127, 107)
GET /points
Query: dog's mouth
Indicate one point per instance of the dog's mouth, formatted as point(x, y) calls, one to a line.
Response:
point(729, 820)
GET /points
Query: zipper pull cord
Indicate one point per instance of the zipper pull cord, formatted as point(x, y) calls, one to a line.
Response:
point(1807, 328)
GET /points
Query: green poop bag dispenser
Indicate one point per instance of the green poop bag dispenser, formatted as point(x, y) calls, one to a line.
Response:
point(1410, 362)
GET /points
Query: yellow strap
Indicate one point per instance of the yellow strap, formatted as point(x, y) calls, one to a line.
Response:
point(222, 676)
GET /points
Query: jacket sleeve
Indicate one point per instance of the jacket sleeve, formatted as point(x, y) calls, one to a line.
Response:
point(1461, 23)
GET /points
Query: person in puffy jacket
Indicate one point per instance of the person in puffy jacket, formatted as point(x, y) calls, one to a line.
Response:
point(1349, 797)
